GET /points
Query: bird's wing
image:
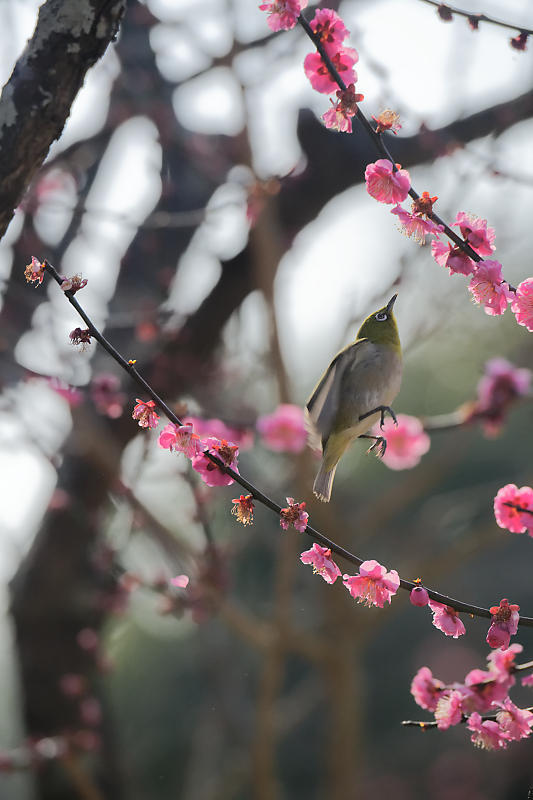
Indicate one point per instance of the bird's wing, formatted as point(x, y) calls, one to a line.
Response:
point(324, 402)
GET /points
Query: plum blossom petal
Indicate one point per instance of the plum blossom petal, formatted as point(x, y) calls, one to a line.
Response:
point(320, 559)
point(373, 586)
point(144, 413)
point(243, 509)
point(295, 515)
point(507, 503)
point(504, 624)
point(210, 472)
point(446, 619)
point(522, 304)
point(407, 442)
point(386, 184)
point(180, 438)
point(449, 710)
point(416, 227)
point(452, 257)
point(513, 721)
point(486, 734)
point(284, 430)
point(475, 231)
point(426, 689)
point(489, 289)
point(283, 14)
point(330, 29)
point(319, 75)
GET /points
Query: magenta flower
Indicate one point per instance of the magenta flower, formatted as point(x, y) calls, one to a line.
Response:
point(180, 581)
point(407, 442)
point(475, 231)
point(330, 29)
point(242, 437)
point(339, 116)
point(452, 258)
point(210, 472)
point(419, 596)
point(497, 390)
point(373, 586)
point(385, 184)
point(522, 304)
point(486, 734)
point(283, 14)
point(416, 227)
point(180, 438)
point(426, 689)
point(488, 287)
point(319, 75)
point(482, 689)
point(320, 559)
point(145, 415)
point(504, 624)
point(449, 710)
point(446, 619)
point(284, 430)
point(507, 504)
point(501, 662)
point(513, 721)
point(295, 515)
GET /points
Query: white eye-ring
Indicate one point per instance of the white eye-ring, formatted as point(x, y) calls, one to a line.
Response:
point(381, 316)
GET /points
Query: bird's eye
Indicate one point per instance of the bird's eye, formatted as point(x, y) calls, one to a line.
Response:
point(381, 316)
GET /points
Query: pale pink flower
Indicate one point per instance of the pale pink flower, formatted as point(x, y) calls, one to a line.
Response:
point(415, 226)
point(426, 689)
point(419, 596)
point(106, 395)
point(406, 442)
point(319, 75)
point(329, 28)
point(243, 437)
point(452, 257)
point(507, 514)
point(180, 581)
point(373, 586)
point(449, 710)
point(486, 734)
point(475, 231)
point(446, 619)
point(284, 430)
point(504, 624)
point(501, 663)
point(522, 304)
point(145, 415)
point(488, 287)
point(34, 272)
point(295, 515)
point(513, 721)
point(320, 559)
point(210, 472)
point(385, 184)
point(283, 14)
point(339, 116)
point(73, 284)
point(180, 438)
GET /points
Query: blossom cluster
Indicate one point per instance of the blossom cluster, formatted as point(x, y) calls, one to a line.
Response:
point(513, 508)
point(482, 692)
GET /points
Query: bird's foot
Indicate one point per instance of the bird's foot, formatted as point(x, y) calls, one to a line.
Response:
point(382, 411)
point(380, 444)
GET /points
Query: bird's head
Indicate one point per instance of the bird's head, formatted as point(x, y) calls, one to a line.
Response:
point(380, 327)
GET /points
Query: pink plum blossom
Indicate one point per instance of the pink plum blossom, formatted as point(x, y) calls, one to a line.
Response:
point(488, 287)
point(501, 662)
point(522, 304)
point(73, 284)
point(419, 596)
point(319, 75)
point(34, 272)
point(329, 28)
point(373, 586)
point(446, 619)
point(283, 14)
point(320, 559)
point(486, 734)
point(497, 390)
point(180, 581)
point(210, 472)
point(406, 442)
point(513, 721)
point(415, 226)
point(180, 438)
point(507, 515)
point(385, 184)
point(475, 231)
point(449, 710)
point(504, 624)
point(243, 509)
point(388, 120)
point(452, 257)
point(426, 689)
point(243, 437)
point(106, 395)
point(295, 515)
point(339, 116)
point(144, 413)
point(284, 430)
point(482, 688)
point(527, 681)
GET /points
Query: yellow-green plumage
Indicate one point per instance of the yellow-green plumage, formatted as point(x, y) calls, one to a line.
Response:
point(365, 375)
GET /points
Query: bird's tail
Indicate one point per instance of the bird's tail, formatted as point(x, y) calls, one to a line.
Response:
point(324, 481)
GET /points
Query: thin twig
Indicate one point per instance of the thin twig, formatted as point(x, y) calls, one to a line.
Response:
point(479, 17)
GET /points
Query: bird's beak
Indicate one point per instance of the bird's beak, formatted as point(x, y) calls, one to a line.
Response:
point(391, 303)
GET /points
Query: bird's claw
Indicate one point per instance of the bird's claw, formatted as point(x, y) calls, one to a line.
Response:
point(380, 444)
point(384, 410)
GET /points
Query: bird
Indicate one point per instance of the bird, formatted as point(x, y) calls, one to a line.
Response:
point(356, 390)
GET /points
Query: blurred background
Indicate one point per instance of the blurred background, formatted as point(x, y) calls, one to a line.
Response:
point(231, 249)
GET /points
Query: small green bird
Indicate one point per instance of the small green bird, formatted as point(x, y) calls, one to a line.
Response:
point(356, 390)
